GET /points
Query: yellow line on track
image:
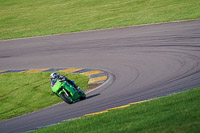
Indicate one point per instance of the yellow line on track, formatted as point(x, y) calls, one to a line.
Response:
point(71, 70)
point(124, 106)
point(97, 79)
point(36, 70)
point(96, 113)
point(92, 72)
point(118, 107)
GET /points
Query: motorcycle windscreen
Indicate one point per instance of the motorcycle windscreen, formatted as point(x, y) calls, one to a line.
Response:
point(53, 82)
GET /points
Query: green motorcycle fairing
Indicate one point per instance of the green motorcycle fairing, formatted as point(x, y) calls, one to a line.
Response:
point(58, 86)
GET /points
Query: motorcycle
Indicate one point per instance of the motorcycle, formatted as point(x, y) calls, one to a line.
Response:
point(67, 92)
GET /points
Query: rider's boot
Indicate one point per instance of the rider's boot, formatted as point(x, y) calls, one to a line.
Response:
point(78, 90)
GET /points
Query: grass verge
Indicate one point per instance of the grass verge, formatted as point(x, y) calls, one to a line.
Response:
point(176, 113)
point(22, 18)
point(24, 92)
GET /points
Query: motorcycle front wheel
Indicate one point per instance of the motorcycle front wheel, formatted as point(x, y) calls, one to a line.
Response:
point(82, 95)
point(66, 98)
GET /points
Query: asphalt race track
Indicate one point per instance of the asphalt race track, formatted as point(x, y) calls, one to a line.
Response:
point(144, 62)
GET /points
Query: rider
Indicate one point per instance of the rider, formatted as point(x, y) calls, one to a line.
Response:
point(61, 78)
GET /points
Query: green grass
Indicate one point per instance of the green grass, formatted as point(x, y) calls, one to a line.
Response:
point(26, 18)
point(178, 113)
point(21, 93)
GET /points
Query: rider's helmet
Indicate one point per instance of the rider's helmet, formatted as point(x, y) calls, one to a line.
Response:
point(53, 76)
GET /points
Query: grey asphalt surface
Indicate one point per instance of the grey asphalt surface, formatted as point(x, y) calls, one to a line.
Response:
point(143, 61)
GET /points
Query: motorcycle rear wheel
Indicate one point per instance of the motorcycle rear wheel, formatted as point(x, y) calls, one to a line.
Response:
point(66, 98)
